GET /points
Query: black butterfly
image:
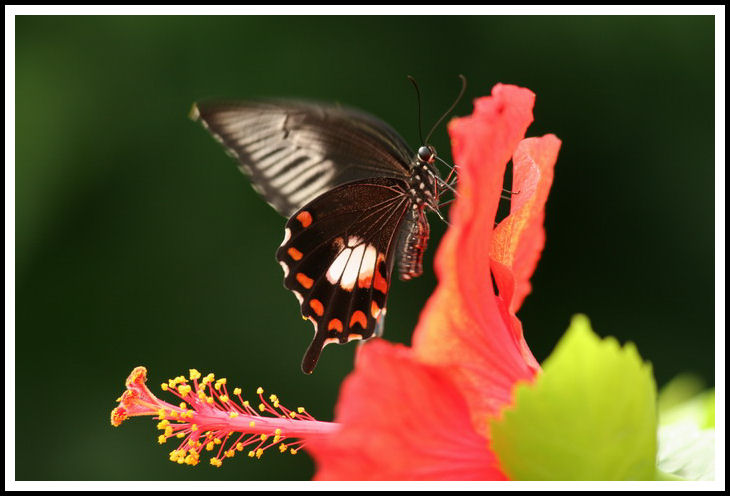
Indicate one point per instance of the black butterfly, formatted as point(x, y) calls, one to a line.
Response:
point(355, 195)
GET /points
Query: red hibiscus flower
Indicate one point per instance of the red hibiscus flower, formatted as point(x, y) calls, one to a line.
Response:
point(423, 412)
point(408, 413)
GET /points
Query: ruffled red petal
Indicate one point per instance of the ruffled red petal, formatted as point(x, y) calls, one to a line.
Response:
point(518, 240)
point(401, 420)
point(464, 326)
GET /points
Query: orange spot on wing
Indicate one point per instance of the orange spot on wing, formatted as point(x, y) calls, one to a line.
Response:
point(317, 306)
point(304, 280)
point(335, 324)
point(358, 317)
point(305, 218)
point(374, 309)
point(294, 253)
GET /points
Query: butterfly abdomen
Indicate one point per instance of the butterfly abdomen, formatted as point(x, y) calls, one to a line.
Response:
point(413, 245)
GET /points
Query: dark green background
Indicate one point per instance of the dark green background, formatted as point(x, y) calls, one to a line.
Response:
point(139, 242)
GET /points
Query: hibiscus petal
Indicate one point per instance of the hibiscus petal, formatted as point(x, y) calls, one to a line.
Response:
point(464, 326)
point(518, 240)
point(401, 420)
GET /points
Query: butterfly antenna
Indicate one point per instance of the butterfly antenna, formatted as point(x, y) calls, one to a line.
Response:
point(453, 105)
point(418, 96)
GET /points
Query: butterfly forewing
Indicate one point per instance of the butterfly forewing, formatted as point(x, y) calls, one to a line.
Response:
point(337, 257)
point(295, 151)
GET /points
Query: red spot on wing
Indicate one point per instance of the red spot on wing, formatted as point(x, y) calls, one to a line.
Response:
point(358, 317)
point(317, 306)
point(304, 280)
point(364, 282)
point(305, 218)
point(335, 324)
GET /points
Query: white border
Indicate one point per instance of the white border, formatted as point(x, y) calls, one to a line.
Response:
point(10, 13)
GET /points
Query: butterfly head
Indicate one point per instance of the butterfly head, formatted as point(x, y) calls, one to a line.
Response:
point(427, 154)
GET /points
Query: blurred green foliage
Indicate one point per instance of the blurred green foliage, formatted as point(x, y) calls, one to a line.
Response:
point(139, 243)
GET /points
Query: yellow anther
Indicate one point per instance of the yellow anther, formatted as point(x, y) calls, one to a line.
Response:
point(194, 374)
point(246, 403)
point(237, 391)
point(179, 379)
point(293, 451)
point(183, 405)
point(217, 440)
point(180, 435)
point(201, 394)
point(239, 446)
point(189, 414)
point(277, 438)
point(209, 400)
point(233, 414)
point(264, 437)
point(169, 431)
point(173, 414)
point(276, 404)
point(209, 446)
point(163, 386)
point(260, 390)
point(230, 453)
point(162, 439)
point(259, 452)
point(300, 409)
point(184, 389)
point(162, 424)
point(277, 431)
point(292, 414)
point(216, 462)
point(282, 447)
point(262, 407)
point(251, 454)
point(273, 397)
point(194, 427)
point(251, 424)
point(161, 413)
point(224, 398)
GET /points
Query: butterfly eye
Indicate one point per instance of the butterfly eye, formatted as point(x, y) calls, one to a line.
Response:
point(427, 154)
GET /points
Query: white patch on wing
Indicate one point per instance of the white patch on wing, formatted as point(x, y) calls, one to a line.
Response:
point(368, 265)
point(299, 296)
point(352, 269)
point(355, 262)
point(286, 268)
point(338, 266)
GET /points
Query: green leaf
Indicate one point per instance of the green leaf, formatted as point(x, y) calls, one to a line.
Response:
point(590, 415)
point(686, 430)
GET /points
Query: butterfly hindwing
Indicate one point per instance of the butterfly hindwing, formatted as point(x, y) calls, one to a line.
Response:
point(337, 257)
point(294, 151)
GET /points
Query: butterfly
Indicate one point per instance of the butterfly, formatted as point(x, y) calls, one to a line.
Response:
point(355, 196)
